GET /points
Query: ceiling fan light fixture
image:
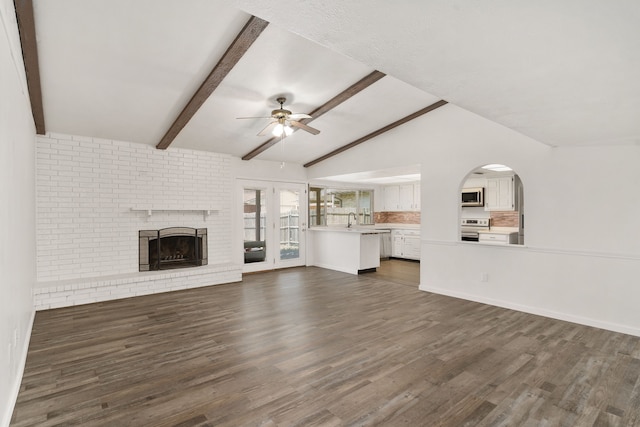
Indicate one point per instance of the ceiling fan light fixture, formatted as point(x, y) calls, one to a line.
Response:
point(497, 168)
point(279, 129)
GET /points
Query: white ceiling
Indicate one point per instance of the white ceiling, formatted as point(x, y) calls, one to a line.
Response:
point(408, 173)
point(562, 72)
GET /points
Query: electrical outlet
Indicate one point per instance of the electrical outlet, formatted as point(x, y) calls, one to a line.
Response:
point(484, 277)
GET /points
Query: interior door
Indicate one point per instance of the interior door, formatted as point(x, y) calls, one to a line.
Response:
point(274, 223)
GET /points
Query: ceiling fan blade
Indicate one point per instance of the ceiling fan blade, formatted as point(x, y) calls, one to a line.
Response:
point(299, 116)
point(268, 128)
point(304, 127)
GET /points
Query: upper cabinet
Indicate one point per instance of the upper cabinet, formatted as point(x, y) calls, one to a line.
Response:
point(391, 198)
point(403, 197)
point(416, 196)
point(499, 194)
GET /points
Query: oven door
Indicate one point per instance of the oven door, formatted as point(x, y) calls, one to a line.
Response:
point(470, 236)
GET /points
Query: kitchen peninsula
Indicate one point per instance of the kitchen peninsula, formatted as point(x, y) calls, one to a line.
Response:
point(350, 250)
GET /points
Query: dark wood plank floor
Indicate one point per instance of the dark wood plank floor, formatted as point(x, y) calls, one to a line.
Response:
point(313, 347)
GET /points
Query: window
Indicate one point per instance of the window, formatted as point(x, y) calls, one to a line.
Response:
point(332, 206)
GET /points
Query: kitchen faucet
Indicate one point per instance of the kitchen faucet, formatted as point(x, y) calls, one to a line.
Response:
point(349, 219)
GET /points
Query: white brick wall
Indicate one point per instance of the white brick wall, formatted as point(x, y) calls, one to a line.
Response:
point(86, 188)
point(66, 293)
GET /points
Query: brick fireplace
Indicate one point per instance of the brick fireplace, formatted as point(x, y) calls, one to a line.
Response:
point(95, 195)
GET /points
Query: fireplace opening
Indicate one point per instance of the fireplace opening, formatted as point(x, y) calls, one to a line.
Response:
point(175, 247)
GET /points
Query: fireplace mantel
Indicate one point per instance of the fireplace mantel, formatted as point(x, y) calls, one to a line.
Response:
point(151, 209)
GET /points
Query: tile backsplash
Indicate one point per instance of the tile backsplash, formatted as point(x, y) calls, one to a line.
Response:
point(504, 218)
point(498, 218)
point(404, 217)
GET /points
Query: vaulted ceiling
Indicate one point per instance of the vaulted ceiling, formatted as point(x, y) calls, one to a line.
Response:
point(180, 73)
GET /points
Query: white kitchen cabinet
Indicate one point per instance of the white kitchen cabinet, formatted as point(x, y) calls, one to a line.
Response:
point(411, 248)
point(499, 194)
point(406, 244)
point(401, 197)
point(406, 197)
point(391, 198)
point(416, 197)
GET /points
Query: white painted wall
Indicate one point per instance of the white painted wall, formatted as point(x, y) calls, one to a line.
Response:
point(268, 170)
point(17, 212)
point(582, 257)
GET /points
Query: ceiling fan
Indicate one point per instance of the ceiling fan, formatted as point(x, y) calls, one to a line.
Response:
point(284, 121)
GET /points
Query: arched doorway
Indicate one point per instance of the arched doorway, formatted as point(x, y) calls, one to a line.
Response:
point(492, 206)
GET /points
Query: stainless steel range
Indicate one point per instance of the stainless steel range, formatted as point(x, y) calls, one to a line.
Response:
point(469, 228)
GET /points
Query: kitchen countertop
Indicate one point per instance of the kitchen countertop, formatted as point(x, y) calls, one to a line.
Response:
point(352, 230)
point(500, 230)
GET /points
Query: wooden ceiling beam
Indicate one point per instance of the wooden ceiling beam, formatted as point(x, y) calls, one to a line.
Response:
point(377, 132)
point(245, 38)
point(327, 106)
point(28, 42)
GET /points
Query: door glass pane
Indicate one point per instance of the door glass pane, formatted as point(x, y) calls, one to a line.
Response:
point(255, 215)
point(289, 224)
point(365, 207)
point(317, 215)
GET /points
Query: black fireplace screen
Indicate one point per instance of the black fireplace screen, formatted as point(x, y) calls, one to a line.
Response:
point(175, 247)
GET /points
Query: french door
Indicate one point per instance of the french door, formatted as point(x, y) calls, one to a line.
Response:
point(274, 223)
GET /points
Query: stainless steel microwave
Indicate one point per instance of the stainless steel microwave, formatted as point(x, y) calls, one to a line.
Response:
point(472, 196)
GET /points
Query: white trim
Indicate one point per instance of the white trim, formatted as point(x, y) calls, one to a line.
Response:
point(13, 394)
point(534, 310)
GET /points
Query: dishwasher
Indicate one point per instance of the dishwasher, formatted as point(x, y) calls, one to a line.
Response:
point(385, 244)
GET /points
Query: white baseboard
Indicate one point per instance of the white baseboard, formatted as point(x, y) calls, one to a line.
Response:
point(537, 311)
point(13, 396)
